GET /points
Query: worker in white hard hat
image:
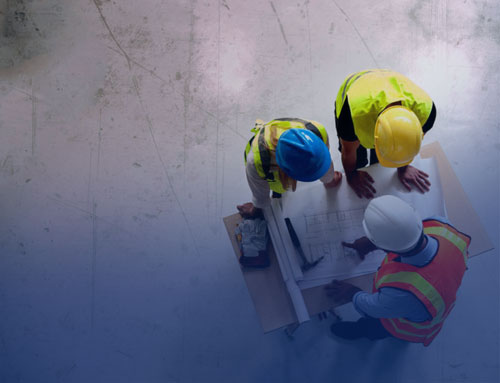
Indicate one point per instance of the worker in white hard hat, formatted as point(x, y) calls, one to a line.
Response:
point(282, 152)
point(386, 113)
point(415, 287)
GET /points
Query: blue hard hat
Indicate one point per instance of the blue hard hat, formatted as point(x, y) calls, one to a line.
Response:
point(302, 155)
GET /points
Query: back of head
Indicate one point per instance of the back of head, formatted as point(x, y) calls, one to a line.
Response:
point(302, 155)
point(392, 224)
point(398, 136)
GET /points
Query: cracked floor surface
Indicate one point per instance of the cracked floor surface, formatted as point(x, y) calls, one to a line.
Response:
point(122, 129)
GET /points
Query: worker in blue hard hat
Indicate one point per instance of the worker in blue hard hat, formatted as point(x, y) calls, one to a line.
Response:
point(282, 152)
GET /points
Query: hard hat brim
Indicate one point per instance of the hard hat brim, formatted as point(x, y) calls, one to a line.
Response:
point(389, 164)
point(321, 170)
point(300, 173)
point(385, 130)
point(391, 224)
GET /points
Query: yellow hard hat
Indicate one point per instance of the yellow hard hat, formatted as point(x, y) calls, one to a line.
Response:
point(398, 135)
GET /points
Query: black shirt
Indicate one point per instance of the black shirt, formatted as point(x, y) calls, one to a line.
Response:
point(345, 126)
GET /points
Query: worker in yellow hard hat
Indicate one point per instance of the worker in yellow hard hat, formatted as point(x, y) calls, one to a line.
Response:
point(385, 112)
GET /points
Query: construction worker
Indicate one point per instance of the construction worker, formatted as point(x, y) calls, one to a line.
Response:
point(282, 152)
point(415, 287)
point(382, 110)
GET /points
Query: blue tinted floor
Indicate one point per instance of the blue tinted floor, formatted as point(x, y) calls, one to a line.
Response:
point(122, 129)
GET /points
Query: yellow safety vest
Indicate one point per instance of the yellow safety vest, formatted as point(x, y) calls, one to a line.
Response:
point(370, 92)
point(261, 145)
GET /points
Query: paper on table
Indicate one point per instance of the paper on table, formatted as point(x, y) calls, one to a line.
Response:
point(282, 250)
point(323, 218)
point(322, 235)
point(428, 204)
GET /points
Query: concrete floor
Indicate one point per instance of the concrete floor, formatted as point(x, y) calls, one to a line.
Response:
point(122, 127)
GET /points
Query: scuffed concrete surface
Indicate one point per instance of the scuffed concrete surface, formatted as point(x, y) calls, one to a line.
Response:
point(122, 129)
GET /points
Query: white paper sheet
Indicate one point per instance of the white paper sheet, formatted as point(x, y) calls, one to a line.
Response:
point(282, 250)
point(322, 235)
point(323, 218)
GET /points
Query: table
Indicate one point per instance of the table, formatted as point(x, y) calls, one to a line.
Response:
point(268, 291)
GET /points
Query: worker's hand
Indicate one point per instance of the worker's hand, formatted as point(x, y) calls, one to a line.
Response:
point(341, 291)
point(362, 245)
point(337, 177)
point(361, 183)
point(248, 210)
point(410, 175)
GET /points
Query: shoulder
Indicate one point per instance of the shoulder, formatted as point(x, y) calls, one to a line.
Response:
point(438, 218)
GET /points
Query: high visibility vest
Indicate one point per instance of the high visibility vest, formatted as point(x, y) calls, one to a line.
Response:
point(434, 284)
point(370, 91)
point(261, 145)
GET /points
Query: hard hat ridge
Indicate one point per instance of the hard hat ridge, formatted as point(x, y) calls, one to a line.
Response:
point(392, 224)
point(398, 136)
point(302, 155)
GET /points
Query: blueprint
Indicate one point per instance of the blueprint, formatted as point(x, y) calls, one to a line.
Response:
point(323, 218)
point(322, 236)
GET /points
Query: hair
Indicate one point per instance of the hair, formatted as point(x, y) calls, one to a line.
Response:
point(287, 181)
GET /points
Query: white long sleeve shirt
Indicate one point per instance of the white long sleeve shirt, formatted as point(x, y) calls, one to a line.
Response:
point(259, 186)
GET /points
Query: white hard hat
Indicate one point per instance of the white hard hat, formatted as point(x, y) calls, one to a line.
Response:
point(392, 224)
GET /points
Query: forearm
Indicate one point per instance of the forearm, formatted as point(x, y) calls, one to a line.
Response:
point(369, 245)
point(261, 203)
point(329, 175)
point(260, 194)
point(258, 186)
point(349, 162)
point(349, 155)
point(402, 169)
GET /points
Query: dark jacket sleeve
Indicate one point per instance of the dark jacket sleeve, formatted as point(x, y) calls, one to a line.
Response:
point(430, 121)
point(344, 124)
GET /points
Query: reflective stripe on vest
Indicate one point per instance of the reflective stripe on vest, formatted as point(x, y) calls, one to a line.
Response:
point(450, 236)
point(308, 125)
point(427, 324)
point(261, 144)
point(426, 339)
point(341, 95)
point(423, 287)
point(434, 284)
point(369, 92)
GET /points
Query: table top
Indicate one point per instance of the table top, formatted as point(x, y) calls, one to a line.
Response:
point(269, 293)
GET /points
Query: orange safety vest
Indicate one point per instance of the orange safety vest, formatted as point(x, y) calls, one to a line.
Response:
point(434, 284)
